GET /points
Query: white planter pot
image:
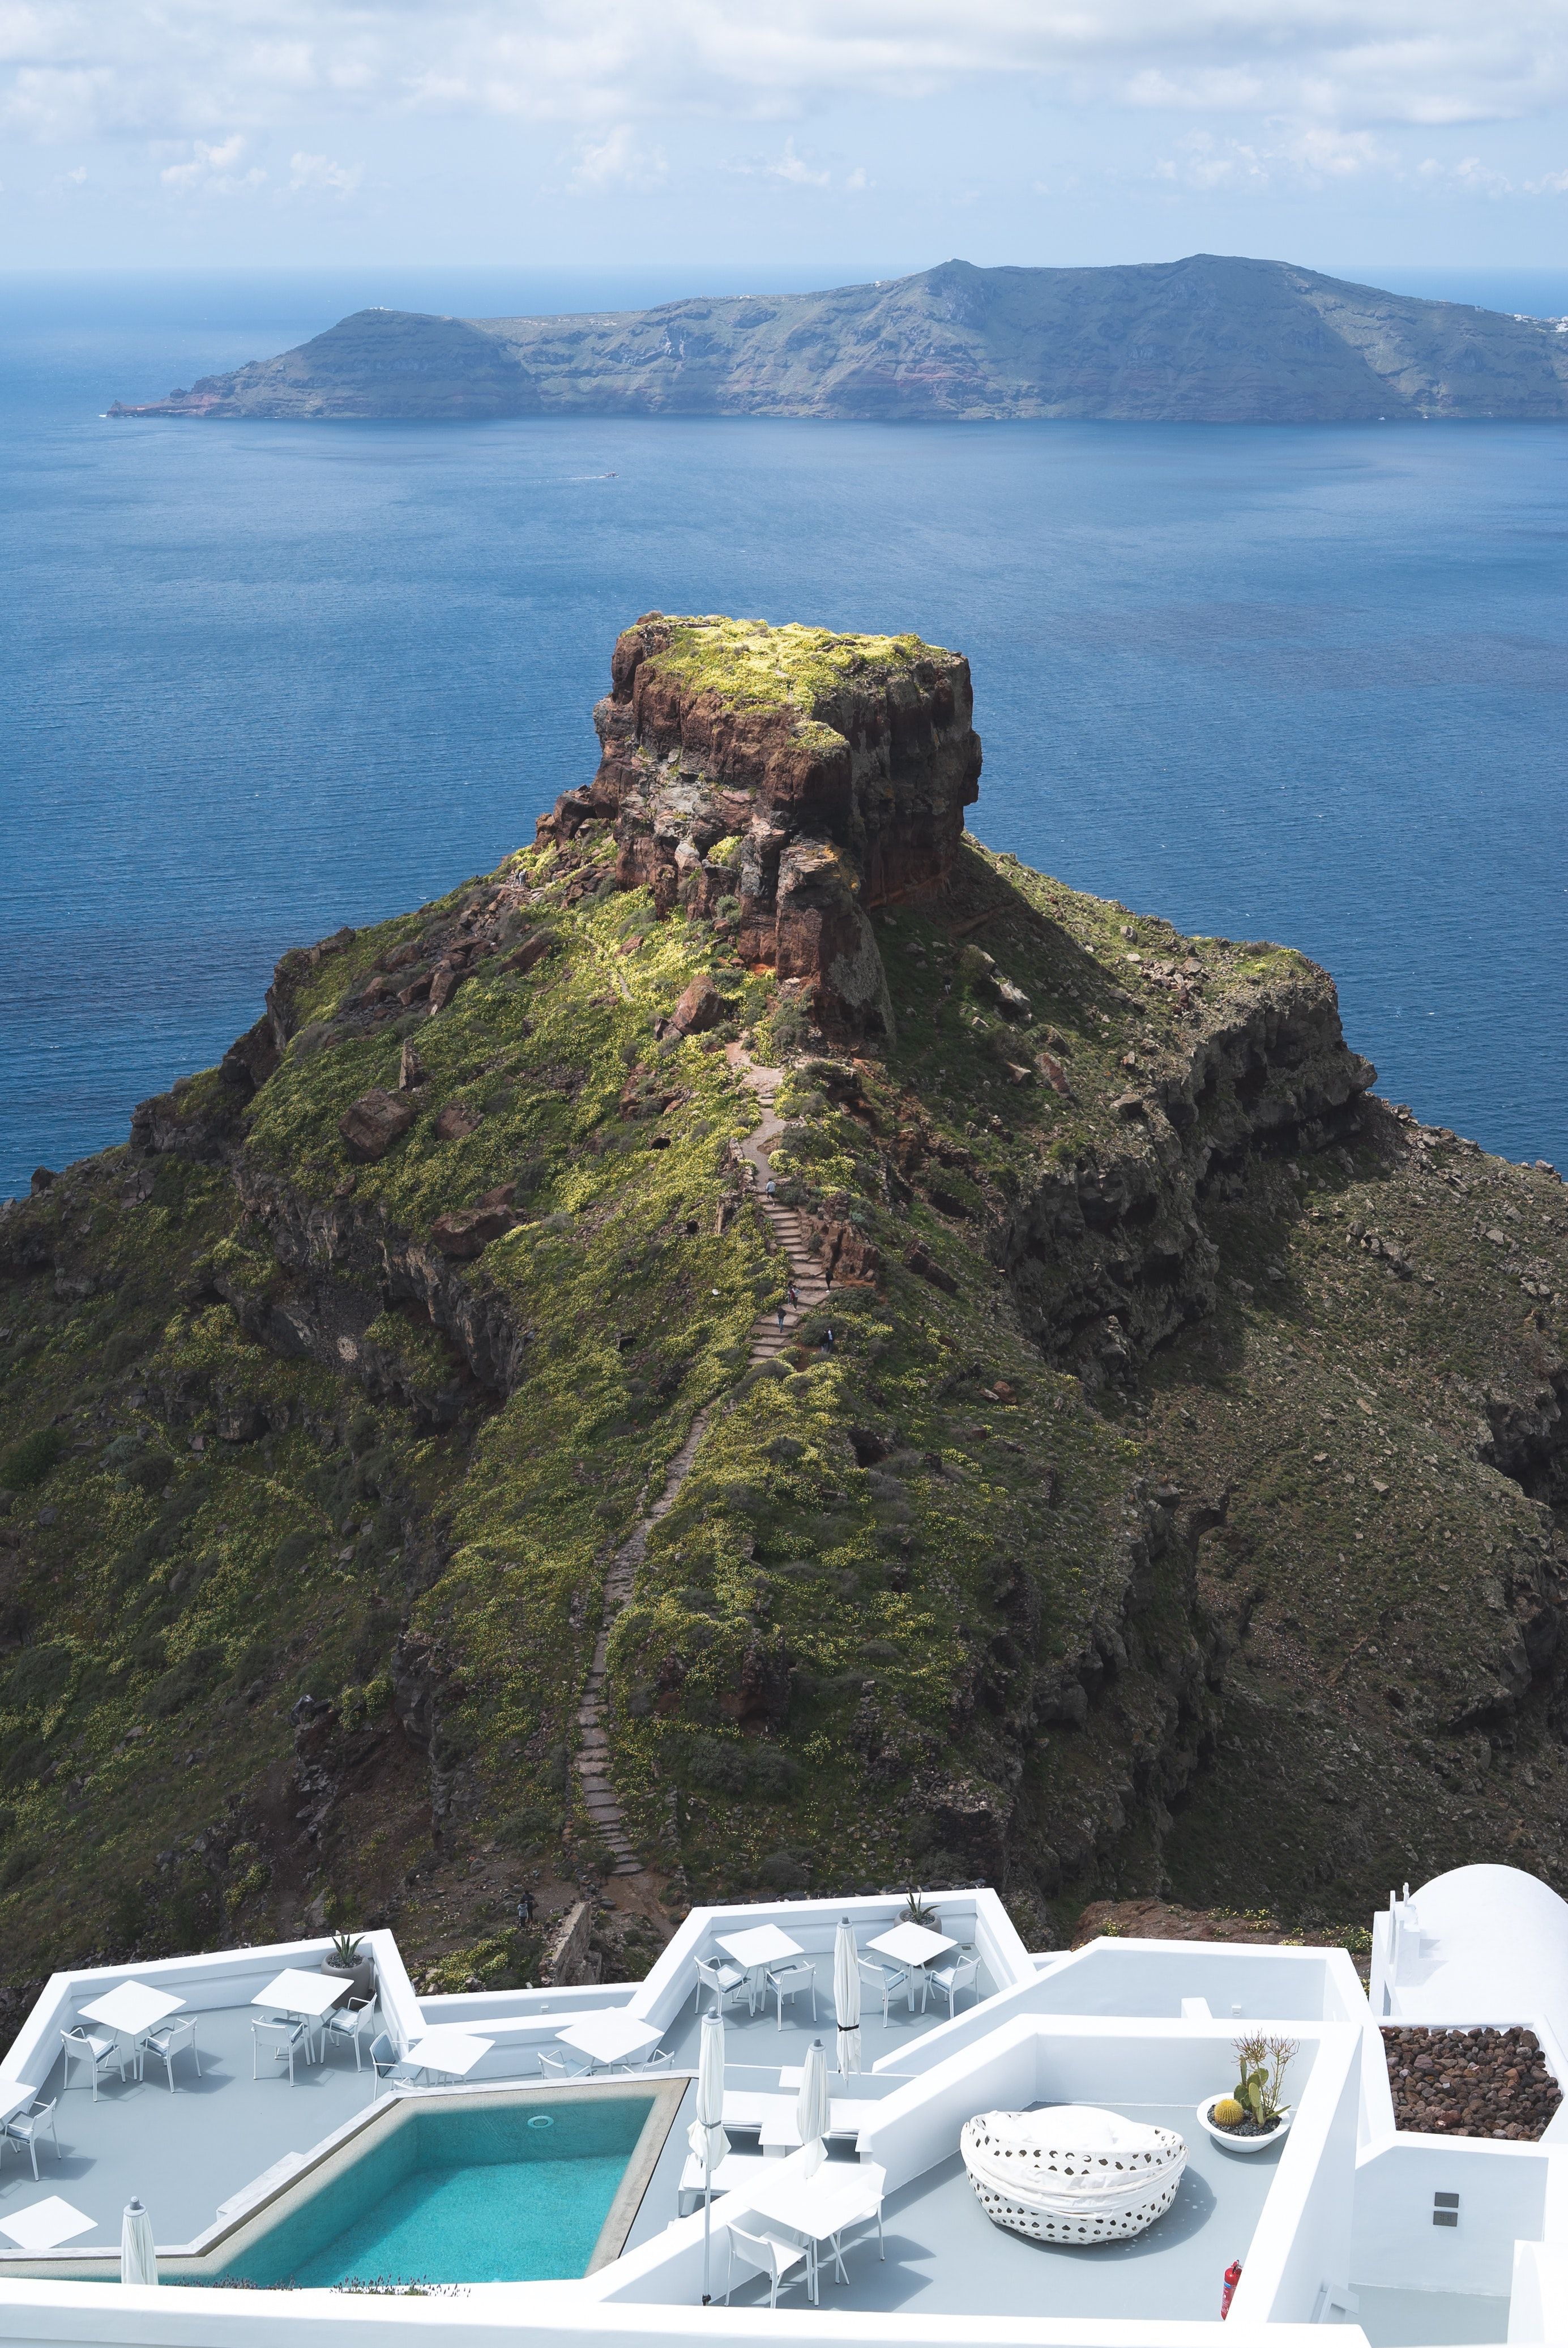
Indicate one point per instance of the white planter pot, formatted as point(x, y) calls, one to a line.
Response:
point(1240, 2143)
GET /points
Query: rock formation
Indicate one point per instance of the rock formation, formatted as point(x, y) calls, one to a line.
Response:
point(784, 782)
point(391, 1479)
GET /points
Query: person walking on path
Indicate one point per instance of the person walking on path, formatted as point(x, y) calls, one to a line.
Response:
point(827, 1341)
point(781, 1320)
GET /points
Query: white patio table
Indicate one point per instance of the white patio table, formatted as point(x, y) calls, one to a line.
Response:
point(607, 2038)
point(43, 2225)
point(842, 2193)
point(452, 2053)
point(913, 1947)
point(303, 1997)
point(131, 2009)
point(780, 2129)
point(754, 1949)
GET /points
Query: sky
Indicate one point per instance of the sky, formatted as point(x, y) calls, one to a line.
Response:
point(827, 136)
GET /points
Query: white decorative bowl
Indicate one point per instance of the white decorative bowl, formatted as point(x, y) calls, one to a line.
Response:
point(1240, 2143)
point(1071, 2173)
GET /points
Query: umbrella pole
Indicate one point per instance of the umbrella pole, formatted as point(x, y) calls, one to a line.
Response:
point(707, 2236)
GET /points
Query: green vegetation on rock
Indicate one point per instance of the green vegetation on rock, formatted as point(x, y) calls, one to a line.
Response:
point(1172, 1511)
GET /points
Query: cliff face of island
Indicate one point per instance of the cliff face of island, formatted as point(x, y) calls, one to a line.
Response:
point(1210, 339)
point(783, 782)
point(1167, 1495)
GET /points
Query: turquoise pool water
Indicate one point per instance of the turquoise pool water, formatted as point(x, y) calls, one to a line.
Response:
point(506, 2193)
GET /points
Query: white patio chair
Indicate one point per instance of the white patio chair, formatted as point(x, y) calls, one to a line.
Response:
point(25, 2126)
point(346, 2024)
point(660, 2059)
point(167, 2040)
point(284, 2037)
point(884, 1981)
point(387, 2063)
point(560, 2065)
point(960, 1974)
point(858, 2230)
point(96, 2052)
point(726, 1981)
point(775, 2258)
point(788, 1981)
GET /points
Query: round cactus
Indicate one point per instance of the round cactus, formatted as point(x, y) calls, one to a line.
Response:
point(1227, 2113)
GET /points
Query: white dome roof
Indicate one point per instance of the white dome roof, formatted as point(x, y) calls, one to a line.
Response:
point(1483, 1945)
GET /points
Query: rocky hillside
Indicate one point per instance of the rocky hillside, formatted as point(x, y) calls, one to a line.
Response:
point(1163, 1500)
point(1205, 340)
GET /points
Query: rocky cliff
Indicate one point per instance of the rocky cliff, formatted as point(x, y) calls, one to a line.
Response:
point(783, 783)
point(1211, 339)
point(1165, 1496)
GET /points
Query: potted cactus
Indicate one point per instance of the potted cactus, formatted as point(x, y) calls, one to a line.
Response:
point(915, 1911)
point(349, 1957)
point(1253, 2113)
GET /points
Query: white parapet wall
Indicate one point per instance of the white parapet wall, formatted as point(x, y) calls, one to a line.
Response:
point(540, 2316)
point(220, 1978)
point(1503, 2192)
point(1242, 1986)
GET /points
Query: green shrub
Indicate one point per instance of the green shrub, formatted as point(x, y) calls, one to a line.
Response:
point(38, 1677)
point(189, 1679)
point(28, 1463)
point(126, 1345)
point(17, 1863)
point(717, 1766)
point(773, 1774)
point(150, 1472)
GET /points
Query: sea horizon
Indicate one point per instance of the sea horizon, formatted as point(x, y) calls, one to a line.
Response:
point(1299, 682)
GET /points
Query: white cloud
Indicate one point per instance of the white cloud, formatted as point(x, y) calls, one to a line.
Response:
point(1311, 155)
point(213, 170)
point(1553, 183)
point(319, 175)
point(617, 162)
point(1479, 179)
point(186, 68)
point(797, 170)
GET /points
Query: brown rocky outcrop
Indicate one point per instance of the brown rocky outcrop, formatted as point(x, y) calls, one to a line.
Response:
point(468, 1230)
point(375, 1120)
point(783, 781)
point(700, 1007)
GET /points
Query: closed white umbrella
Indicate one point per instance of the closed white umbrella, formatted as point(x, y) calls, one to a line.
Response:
point(138, 2258)
point(812, 2107)
point(847, 1995)
point(705, 2135)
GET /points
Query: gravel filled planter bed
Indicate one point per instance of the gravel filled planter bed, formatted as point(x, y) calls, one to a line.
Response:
point(1481, 2082)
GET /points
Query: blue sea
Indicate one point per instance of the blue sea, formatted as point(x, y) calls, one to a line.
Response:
point(259, 680)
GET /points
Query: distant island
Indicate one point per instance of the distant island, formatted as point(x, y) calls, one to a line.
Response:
point(1208, 340)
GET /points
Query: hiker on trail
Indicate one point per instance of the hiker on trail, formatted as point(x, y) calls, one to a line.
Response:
point(780, 1320)
point(770, 1187)
point(789, 1294)
point(827, 1341)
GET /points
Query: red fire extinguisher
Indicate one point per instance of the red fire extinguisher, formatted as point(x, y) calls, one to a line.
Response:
point(1232, 2277)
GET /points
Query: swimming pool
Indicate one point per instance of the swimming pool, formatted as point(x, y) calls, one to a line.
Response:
point(492, 2190)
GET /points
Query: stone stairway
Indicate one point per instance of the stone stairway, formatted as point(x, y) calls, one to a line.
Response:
point(593, 1757)
point(769, 1338)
